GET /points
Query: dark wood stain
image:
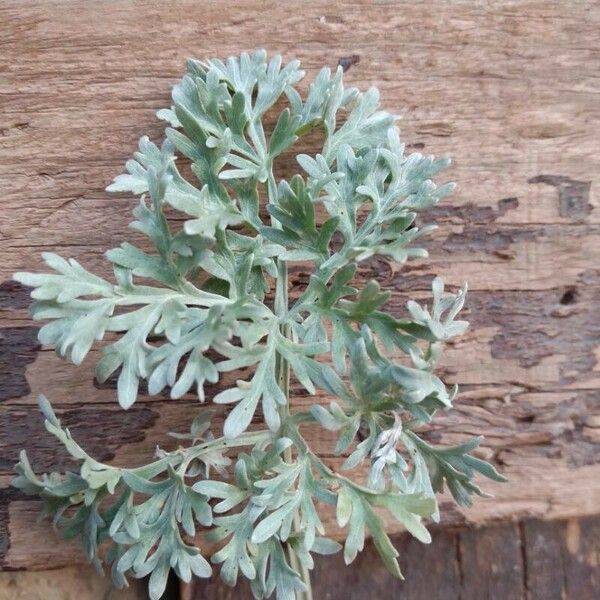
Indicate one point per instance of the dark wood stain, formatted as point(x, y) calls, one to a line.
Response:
point(534, 325)
point(101, 432)
point(7, 495)
point(348, 61)
point(573, 195)
point(471, 213)
point(18, 348)
point(14, 295)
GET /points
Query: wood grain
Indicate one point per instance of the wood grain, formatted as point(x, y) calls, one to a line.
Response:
point(508, 89)
point(82, 583)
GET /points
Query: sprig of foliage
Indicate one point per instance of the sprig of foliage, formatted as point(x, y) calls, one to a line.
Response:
point(218, 283)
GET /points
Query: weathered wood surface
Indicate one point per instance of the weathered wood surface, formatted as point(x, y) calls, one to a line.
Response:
point(72, 583)
point(508, 89)
point(533, 560)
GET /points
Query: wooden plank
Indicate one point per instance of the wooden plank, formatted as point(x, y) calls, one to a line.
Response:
point(64, 584)
point(490, 562)
point(431, 571)
point(509, 90)
point(531, 560)
point(563, 559)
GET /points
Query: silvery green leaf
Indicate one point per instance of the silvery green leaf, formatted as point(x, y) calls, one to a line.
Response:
point(158, 579)
point(168, 115)
point(362, 450)
point(441, 322)
point(262, 386)
point(195, 338)
point(130, 354)
point(209, 214)
point(364, 127)
point(294, 211)
point(273, 522)
point(69, 282)
point(360, 506)
point(214, 489)
point(284, 134)
point(325, 546)
point(368, 300)
point(325, 418)
point(282, 578)
point(455, 467)
point(408, 511)
point(142, 265)
point(344, 507)
point(347, 434)
point(148, 156)
point(234, 555)
point(77, 325)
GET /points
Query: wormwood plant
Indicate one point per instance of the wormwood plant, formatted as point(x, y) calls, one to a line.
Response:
point(212, 298)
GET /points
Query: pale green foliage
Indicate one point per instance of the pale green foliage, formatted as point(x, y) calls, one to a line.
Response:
point(207, 285)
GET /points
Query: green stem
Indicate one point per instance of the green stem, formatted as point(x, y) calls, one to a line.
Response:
point(282, 375)
point(250, 438)
point(182, 458)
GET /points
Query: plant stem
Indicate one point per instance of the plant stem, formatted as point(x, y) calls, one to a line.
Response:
point(180, 458)
point(282, 375)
